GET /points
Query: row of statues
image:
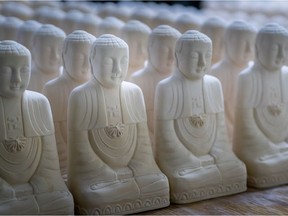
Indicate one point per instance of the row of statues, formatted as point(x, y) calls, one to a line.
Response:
point(125, 148)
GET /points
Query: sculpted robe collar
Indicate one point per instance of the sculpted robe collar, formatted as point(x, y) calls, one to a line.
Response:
point(35, 121)
point(131, 100)
point(177, 106)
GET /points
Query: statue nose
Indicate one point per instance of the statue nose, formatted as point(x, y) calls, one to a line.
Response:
point(202, 62)
point(16, 77)
point(116, 68)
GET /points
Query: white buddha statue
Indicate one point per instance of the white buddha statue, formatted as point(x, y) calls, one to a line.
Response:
point(70, 20)
point(187, 21)
point(89, 23)
point(25, 33)
point(144, 14)
point(46, 52)
point(111, 165)
point(261, 120)
point(50, 15)
point(30, 179)
point(110, 25)
point(161, 49)
point(76, 71)
point(9, 27)
point(192, 146)
point(214, 28)
point(135, 34)
point(239, 50)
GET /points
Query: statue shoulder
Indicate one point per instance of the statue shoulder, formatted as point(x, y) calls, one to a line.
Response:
point(37, 114)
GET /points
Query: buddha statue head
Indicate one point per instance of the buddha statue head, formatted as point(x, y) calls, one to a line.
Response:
point(109, 59)
point(135, 34)
point(193, 54)
point(47, 46)
point(214, 28)
point(239, 42)
point(26, 31)
point(110, 25)
point(161, 48)
point(15, 66)
point(9, 27)
point(89, 22)
point(75, 55)
point(271, 46)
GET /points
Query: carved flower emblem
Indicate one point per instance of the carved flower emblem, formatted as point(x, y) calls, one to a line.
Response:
point(198, 120)
point(15, 145)
point(114, 131)
point(274, 109)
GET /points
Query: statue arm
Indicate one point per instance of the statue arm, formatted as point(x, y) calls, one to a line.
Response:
point(171, 154)
point(143, 161)
point(248, 140)
point(83, 162)
point(6, 190)
point(221, 145)
point(47, 176)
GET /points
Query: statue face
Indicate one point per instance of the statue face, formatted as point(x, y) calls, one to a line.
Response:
point(162, 54)
point(218, 45)
point(47, 54)
point(110, 65)
point(76, 59)
point(194, 59)
point(272, 53)
point(14, 75)
point(240, 48)
point(137, 49)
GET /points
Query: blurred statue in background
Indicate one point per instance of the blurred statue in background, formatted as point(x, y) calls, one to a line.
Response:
point(25, 33)
point(161, 49)
point(46, 52)
point(261, 120)
point(239, 50)
point(9, 27)
point(76, 71)
point(135, 34)
point(215, 28)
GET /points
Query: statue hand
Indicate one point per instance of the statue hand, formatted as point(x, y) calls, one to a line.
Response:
point(7, 191)
point(40, 185)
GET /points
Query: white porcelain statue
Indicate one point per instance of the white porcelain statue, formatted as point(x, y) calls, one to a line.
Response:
point(110, 25)
point(30, 179)
point(76, 71)
point(9, 27)
point(135, 34)
point(261, 120)
point(192, 147)
point(111, 165)
point(46, 52)
point(25, 33)
point(214, 28)
point(89, 23)
point(239, 50)
point(161, 49)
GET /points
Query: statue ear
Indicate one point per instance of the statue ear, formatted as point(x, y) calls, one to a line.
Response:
point(63, 61)
point(176, 58)
point(256, 52)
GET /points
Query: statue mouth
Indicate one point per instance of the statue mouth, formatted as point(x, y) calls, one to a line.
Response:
point(15, 87)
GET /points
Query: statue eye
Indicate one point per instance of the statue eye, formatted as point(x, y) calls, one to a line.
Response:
point(25, 69)
point(194, 55)
point(6, 69)
point(274, 48)
point(108, 61)
point(124, 60)
point(208, 55)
